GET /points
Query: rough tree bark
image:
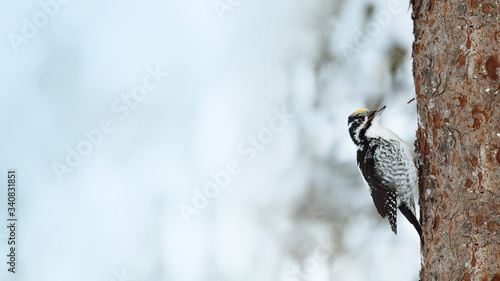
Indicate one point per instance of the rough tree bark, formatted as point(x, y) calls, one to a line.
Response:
point(456, 67)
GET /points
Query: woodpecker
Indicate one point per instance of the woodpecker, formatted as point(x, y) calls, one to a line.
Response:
point(387, 165)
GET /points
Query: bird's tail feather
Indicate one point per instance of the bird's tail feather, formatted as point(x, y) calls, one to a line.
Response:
point(410, 216)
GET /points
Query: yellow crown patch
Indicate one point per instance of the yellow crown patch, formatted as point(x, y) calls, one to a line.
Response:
point(359, 110)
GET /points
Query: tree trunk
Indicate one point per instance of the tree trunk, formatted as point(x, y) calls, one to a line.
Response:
point(456, 67)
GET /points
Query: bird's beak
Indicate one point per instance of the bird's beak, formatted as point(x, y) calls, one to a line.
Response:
point(378, 112)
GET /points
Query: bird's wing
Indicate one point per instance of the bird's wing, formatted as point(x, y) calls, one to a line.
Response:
point(383, 191)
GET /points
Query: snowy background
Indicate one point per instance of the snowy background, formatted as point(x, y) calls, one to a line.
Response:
point(119, 115)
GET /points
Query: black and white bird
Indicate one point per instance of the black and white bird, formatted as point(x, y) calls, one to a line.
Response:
point(387, 165)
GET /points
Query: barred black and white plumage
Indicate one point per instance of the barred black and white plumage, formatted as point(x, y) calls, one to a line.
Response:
point(387, 164)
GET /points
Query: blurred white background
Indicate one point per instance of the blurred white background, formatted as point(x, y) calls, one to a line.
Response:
point(160, 96)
